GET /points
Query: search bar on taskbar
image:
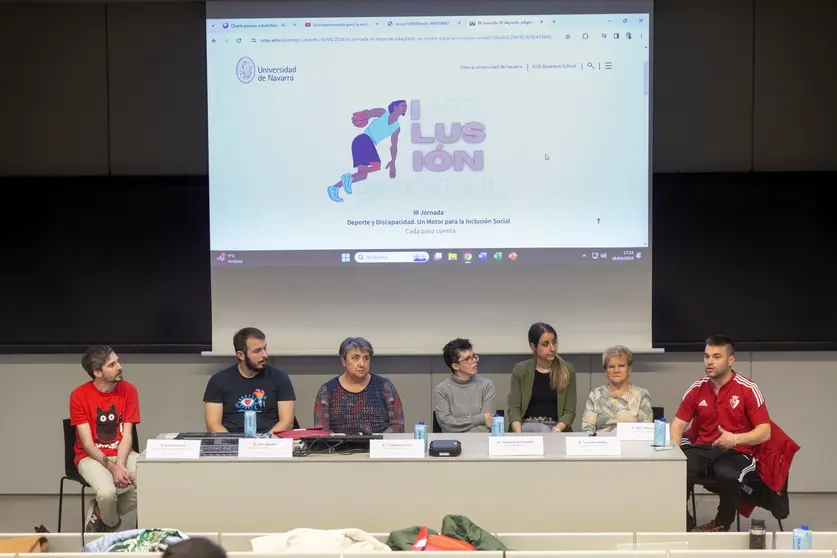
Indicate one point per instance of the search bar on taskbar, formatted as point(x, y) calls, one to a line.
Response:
point(391, 257)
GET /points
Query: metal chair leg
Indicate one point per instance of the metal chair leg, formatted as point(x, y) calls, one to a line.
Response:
point(738, 521)
point(61, 502)
point(694, 506)
point(781, 527)
point(83, 513)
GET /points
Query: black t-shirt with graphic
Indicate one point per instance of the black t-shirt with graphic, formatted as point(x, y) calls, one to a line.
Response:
point(261, 393)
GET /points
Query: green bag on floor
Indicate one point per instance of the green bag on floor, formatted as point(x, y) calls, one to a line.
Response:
point(456, 526)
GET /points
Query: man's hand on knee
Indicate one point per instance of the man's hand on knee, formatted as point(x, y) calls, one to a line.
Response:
point(121, 476)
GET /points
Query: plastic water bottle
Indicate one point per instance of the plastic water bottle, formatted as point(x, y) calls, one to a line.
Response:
point(498, 425)
point(660, 433)
point(803, 538)
point(420, 433)
point(250, 429)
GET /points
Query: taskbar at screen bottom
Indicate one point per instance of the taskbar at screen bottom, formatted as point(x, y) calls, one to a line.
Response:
point(434, 256)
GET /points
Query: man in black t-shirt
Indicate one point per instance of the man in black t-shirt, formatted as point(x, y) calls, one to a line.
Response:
point(250, 385)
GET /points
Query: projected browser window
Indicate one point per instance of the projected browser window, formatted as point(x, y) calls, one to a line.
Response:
point(352, 141)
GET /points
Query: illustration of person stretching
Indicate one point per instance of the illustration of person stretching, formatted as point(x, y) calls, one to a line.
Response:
point(364, 153)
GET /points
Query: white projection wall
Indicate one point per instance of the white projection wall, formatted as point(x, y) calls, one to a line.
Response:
point(415, 172)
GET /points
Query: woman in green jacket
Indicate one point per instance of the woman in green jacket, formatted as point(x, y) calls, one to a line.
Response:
point(543, 394)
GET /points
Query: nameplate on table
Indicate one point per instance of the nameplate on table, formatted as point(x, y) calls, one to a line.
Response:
point(173, 449)
point(265, 448)
point(593, 446)
point(635, 431)
point(515, 446)
point(638, 431)
point(396, 449)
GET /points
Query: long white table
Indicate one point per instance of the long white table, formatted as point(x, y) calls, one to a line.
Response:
point(641, 491)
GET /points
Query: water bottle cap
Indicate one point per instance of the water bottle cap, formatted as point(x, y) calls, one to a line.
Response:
point(421, 422)
point(496, 414)
point(663, 419)
point(805, 527)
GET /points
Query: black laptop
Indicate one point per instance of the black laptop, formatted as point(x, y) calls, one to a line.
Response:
point(339, 442)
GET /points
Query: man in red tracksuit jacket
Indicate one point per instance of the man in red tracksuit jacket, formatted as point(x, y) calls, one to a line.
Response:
point(730, 420)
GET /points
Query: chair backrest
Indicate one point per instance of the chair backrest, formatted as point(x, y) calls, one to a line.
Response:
point(135, 438)
point(658, 412)
point(70, 446)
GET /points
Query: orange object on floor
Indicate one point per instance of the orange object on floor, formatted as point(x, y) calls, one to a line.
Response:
point(424, 541)
point(24, 545)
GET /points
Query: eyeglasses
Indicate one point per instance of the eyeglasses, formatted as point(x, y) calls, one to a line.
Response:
point(470, 360)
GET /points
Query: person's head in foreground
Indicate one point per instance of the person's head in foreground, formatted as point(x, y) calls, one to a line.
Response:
point(718, 357)
point(617, 363)
point(460, 357)
point(195, 548)
point(356, 358)
point(102, 365)
point(543, 341)
point(251, 349)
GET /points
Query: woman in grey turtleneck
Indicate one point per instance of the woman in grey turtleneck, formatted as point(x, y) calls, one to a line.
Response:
point(465, 401)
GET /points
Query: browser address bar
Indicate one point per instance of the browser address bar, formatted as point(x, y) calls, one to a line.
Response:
point(391, 257)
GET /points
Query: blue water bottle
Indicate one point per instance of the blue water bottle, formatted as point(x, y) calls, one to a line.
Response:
point(498, 425)
point(803, 538)
point(250, 429)
point(420, 433)
point(660, 433)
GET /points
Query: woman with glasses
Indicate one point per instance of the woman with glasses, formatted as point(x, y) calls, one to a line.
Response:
point(619, 400)
point(543, 389)
point(464, 401)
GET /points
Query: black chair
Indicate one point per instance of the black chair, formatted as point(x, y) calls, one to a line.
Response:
point(72, 474)
point(437, 428)
point(755, 492)
point(296, 423)
point(658, 412)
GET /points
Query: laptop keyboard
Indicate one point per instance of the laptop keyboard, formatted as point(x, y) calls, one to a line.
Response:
point(224, 447)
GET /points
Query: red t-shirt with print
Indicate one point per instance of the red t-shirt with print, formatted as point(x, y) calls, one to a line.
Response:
point(105, 413)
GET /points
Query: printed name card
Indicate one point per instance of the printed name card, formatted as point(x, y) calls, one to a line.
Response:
point(639, 432)
point(173, 449)
point(635, 431)
point(265, 448)
point(515, 446)
point(593, 446)
point(396, 449)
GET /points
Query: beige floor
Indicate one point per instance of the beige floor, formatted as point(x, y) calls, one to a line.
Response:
point(20, 514)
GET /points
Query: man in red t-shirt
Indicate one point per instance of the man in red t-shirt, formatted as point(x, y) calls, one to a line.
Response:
point(104, 411)
point(729, 417)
